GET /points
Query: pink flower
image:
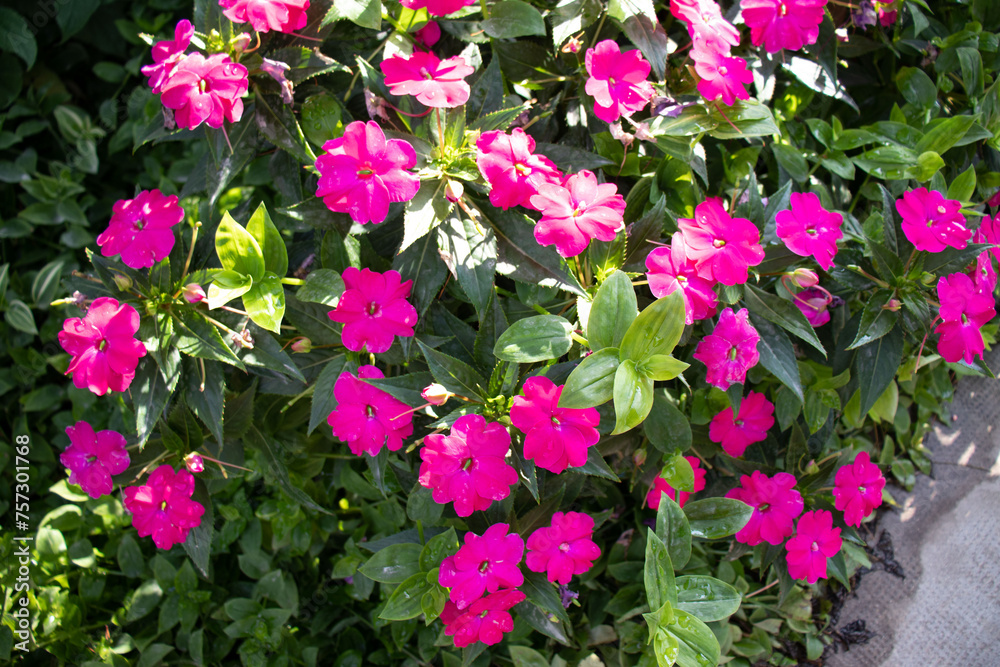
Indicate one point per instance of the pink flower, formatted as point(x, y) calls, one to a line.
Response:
point(205, 90)
point(429, 35)
point(437, 7)
point(193, 293)
point(162, 507)
point(194, 462)
point(815, 541)
point(709, 29)
point(669, 269)
point(167, 54)
point(366, 418)
point(660, 486)
point(857, 489)
point(435, 394)
point(776, 504)
point(513, 172)
point(756, 416)
point(964, 311)
point(722, 247)
point(576, 212)
point(783, 24)
point(485, 621)
point(814, 304)
point(931, 222)
point(467, 466)
point(490, 562)
point(102, 344)
point(722, 77)
point(140, 229)
point(730, 350)
point(886, 17)
point(374, 309)
point(92, 458)
point(564, 548)
point(267, 15)
point(555, 438)
point(617, 81)
point(809, 229)
point(983, 272)
point(361, 172)
point(434, 82)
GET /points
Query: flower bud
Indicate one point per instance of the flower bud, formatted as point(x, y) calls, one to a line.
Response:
point(302, 345)
point(242, 339)
point(123, 282)
point(193, 293)
point(453, 191)
point(994, 200)
point(240, 42)
point(436, 394)
point(639, 458)
point(804, 278)
point(572, 45)
point(893, 305)
point(194, 463)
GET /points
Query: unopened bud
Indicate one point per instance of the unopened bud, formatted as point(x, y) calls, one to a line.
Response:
point(804, 278)
point(123, 282)
point(436, 394)
point(994, 200)
point(242, 339)
point(194, 463)
point(240, 42)
point(302, 345)
point(193, 293)
point(453, 191)
point(639, 458)
point(892, 305)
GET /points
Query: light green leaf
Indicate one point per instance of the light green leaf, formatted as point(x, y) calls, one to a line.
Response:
point(715, 518)
point(592, 382)
point(661, 367)
point(323, 286)
point(707, 598)
point(537, 338)
point(673, 528)
point(633, 394)
point(19, 316)
point(393, 564)
point(656, 330)
point(658, 573)
point(238, 250)
point(405, 601)
point(269, 239)
point(265, 303)
point(226, 286)
point(513, 18)
point(613, 311)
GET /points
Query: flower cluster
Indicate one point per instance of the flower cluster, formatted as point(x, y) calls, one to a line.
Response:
point(722, 75)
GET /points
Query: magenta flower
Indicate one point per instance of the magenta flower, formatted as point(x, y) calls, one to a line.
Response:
point(730, 350)
point(669, 269)
point(140, 229)
point(467, 466)
point(575, 213)
point(808, 229)
point(361, 172)
point(514, 173)
point(857, 489)
point(783, 24)
point(486, 563)
point(366, 418)
point(756, 416)
point(722, 247)
point(267, 15)
point(660, 486)
point(437, 7)
point(775, 505)
point(434, 82)
point(563, 548)
point(162, 507)
point(92, 458)
point(555, 438)
point(617, 81)
point(722, 76)
point(931, 222)
point(429, 35)
point(486, 621)
point(205, 90)
point(102, 346)
point(166, 55)
point(964, 311)
point(374, 309)
point(983, 273)
point(813, 303)
point(814, 542)
point(886, 17)
point(710, 31)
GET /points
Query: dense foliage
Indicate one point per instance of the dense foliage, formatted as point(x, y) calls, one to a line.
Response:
point(436, 332)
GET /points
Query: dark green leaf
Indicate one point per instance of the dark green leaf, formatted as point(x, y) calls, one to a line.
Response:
point(323, 286)
point(537, 338)
point(777, 355)
point(473, 253)
point(715, 518)
point(323, 400)
point(405, 601)
point(876, 321)
point(658, 573)
point(454, 375)
point(513, 18)
point(673, 528)
point(394, 564)
point(666, 427)
point(707, 598)
point(198, 544)
point(197, 338)
point(422, 264)
point(781, 312)
point(274, 460)
point(875, 365)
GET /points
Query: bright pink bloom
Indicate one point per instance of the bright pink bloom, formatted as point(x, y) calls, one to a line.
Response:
point(429, 35)
point(983, 272)
point(730, 350)
point(467, 466)
point(576, 212)
point(361, 172)
point(366, 418)
point(267, 15)
point(167, 54)
point(617, 81)
point(964, 311)
point(814, 542)
point(555, 438)
point(140, 229)
point(205, 90)
point(373, 309)
point(434, 82)
point(857, 489)
point(92, 458)
point(722, 247)
point(486, 563)
point(809, 229)
point(668, 269)
point(485, 621)
point(931, 222)
point(563, 548)
point(989, 232)
point(756, 416)
point(994, 201)
point(814, 305)
point(886, 17)
point(709, 29)
point(513, 171)
point(775, 505)
point(783, 24)
point(102, 344)
point(162, 507)
point(437, 7)
point(660, 486)
point(722, 77)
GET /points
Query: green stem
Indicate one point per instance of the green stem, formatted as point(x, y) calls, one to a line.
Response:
point(292, 281)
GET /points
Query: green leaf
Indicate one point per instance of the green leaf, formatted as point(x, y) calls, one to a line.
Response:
point(198, 544)
point(945, 135)
point(268, 353)
point(394, 564)
point(513, 18)
point(651, 38)
point(405, 601)
point(633, 394)
point(16, 37)
point(656, 330)
point(422, 264)
point(623, 9)
point(592, 382)
point(274, 467)
point(537, 338)
point(613, 311)
point(238, 250)
point(596, 466)
point(205, 397)
point(323, 286)
point(473, 254)
point(661, 367)
point(19, 316)
point(962, 188)
point(454, 375)
point(697, 644)
point(666, 427)
point(707, 598)
point(673, 528)
point(269, 239)
point(777, 355)
point(366, 13)
point(265, 303)
point(876, 365)
point(46, 282)
point(751, 118)
point(917, 88)
point(226, 286)
point(783, 313)
point(888, 162)
point(197, 338)
point(425, 211)
point(678, 473)
point(527, 657)
point(792, 161)
point(658, 573)
point(951, 260)
point(323, 400)
point(571, 159)
point(150, 392)
point(571, 16)
point(876, 321)
point(437, 549)
point(715, 518)
point(692, 120)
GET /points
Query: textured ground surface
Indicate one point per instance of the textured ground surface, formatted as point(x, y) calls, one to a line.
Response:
point(946, 539)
